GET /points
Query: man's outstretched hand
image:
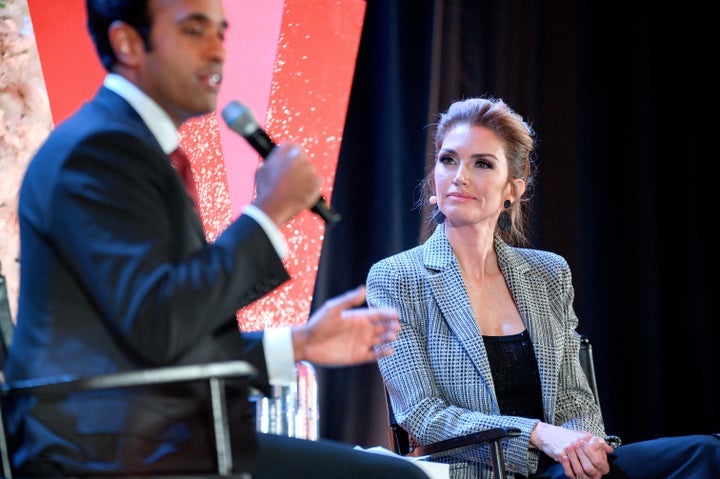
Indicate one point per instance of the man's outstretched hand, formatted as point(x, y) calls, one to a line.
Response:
point(341, 333)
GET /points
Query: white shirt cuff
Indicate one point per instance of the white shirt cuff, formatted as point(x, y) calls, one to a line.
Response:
point(279, 356)
point(271, 230)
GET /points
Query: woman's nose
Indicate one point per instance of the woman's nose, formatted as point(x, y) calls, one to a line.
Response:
point(460, 177)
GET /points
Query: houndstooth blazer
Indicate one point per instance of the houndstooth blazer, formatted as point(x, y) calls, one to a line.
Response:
point(439, 377)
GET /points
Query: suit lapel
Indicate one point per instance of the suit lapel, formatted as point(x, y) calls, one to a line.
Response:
point(181, 203)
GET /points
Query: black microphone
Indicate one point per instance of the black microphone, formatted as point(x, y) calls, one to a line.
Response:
point(240, 119)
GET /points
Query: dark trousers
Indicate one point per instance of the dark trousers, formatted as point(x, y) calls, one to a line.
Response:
point(681, 457)
point(284, 457)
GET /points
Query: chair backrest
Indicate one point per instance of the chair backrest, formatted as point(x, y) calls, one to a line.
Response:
point(7, 326)
point(6, 330)
point(588, 365)
point(398, 438)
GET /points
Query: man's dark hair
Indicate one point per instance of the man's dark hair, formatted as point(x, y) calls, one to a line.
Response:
point(102, 13)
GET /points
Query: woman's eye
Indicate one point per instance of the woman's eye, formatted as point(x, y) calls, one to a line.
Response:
point(482, 164)
point(446, 159)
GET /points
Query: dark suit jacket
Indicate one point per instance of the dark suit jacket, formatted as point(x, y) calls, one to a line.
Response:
point(116, 275)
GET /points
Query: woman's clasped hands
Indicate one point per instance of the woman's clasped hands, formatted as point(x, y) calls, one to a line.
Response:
point(582, 455)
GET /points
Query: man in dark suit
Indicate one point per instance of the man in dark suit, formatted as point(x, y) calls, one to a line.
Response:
point(116, 273)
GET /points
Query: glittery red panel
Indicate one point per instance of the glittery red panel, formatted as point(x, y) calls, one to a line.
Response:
point(199, 137)
point(310, 91)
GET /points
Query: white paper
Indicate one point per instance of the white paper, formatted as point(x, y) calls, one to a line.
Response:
point(434, 470)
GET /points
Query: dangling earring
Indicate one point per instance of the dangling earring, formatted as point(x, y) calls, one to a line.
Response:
point(504, 221)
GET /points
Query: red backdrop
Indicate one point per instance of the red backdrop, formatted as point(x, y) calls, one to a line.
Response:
point(291, 62)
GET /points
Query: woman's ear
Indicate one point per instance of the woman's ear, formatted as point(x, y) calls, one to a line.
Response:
point(518, 188)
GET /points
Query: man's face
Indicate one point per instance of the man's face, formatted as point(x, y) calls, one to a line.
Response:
point(182, 71)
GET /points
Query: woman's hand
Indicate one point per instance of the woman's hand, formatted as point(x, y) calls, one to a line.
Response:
point(586, 458)
point(581, 454)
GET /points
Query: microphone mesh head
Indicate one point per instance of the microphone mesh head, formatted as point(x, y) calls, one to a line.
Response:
point(240, 119)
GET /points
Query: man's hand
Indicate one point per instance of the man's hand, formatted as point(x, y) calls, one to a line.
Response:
point(342, 334)
point(286, 183)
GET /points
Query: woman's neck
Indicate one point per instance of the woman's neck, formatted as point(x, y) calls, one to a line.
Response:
point(474, 249)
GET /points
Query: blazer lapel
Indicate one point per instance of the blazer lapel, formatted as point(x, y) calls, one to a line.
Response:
point(530, 292)
point(450, 294)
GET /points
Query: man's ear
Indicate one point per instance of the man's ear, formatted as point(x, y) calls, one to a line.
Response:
point(125, 42)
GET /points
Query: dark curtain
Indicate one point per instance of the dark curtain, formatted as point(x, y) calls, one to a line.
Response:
point(623, 186)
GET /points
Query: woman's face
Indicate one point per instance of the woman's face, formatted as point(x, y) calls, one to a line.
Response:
point(471, 176)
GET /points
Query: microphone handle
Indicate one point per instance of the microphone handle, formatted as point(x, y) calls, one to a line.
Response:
point(263, 144)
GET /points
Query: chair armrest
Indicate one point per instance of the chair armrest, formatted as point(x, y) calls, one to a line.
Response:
point(147, 377)
point(458, 444)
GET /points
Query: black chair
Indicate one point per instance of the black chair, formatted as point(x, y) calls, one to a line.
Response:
point(6, 323)
point(399, 439)
point(215, 375)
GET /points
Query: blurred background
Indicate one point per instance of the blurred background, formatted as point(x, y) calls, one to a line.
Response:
point(622, 108)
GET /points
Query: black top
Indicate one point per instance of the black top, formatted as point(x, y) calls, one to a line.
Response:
point(515, 374)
